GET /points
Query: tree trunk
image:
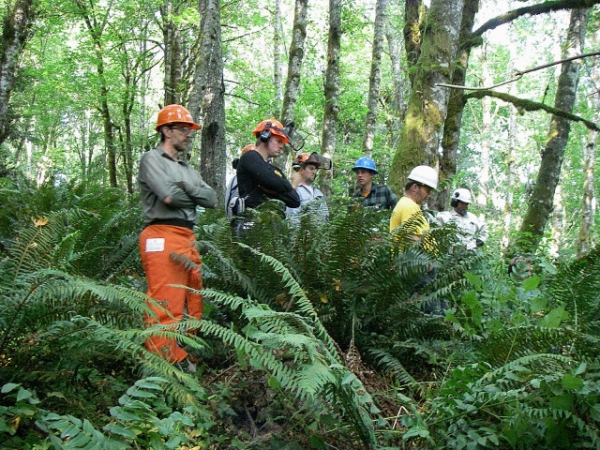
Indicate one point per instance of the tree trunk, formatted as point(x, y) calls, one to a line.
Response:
point(294, 69)
point(487, 119)
point(511, 178)
point(398, 102)
point(375, 77)
point(428, 103)
point(588, 206)
point(16, 28)
point(277, 56)
point(540, 203)
point(414, 11)
point(96, 29)
point(208, 98)
point(172, 45)
point(456, 105)
point(558, 223)
point(332, 93)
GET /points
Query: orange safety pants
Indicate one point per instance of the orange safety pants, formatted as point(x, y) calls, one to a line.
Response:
point(157, 244)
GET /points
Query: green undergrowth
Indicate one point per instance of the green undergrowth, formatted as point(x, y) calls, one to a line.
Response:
point(314, 336)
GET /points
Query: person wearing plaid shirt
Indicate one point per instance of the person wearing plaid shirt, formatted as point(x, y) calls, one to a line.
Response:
point(377, 196)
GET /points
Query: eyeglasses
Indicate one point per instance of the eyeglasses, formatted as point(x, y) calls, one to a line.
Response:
point(428, 189)
point(183, 129)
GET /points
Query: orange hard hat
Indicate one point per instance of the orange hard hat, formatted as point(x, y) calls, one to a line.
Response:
point(307, 158)
point(248, 148)
point(175, 114)
point(270, 127)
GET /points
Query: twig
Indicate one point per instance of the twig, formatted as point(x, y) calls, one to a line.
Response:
point(518, 74)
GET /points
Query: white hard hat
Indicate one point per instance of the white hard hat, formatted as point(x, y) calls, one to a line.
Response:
point(463, 195)
point(425, 175)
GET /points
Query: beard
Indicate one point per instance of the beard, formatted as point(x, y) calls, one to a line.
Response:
point(181, 146)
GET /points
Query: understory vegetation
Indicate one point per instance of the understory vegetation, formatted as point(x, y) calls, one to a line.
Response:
point(312, 337)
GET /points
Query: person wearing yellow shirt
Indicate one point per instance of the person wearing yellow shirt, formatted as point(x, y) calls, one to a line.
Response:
point(422, 180)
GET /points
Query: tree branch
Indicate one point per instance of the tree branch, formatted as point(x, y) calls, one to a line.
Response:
point(518, 74)
point(529, 105)
point(533, 10)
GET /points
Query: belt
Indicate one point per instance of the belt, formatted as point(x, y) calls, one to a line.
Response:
point(173, 222)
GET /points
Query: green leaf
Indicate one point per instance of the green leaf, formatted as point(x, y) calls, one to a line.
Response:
point(470, 299)
point(562, 402)
point(531, 283)
point(582, 368)
point(474, 280)
point(151, 383)
point(23, 395)
point(9, 387)
point(538, 304)
point(274, 383)
point(554, 318)
point(120, 430)
point(571, 382)
point(417, 431)
point(318, 442)
point(595, 412)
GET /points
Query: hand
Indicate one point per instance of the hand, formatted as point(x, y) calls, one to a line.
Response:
point(295, 179)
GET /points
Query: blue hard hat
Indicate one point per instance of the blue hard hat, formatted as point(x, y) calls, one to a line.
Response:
point(365, 163)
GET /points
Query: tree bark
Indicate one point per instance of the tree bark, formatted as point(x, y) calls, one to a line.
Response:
point(332, 93)
point(290, 96)
point(172, 49)
point(414, 11)
point(588, 202)
point(511, 177)
point(208, 98)
point(16, 28)
point(428, 103)
point(277, 56)
point(540, 203)
point(456, 105)
point(375, 76)
point(398, 101)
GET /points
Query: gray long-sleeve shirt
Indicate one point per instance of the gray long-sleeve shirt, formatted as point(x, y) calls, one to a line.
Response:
point(160, 177)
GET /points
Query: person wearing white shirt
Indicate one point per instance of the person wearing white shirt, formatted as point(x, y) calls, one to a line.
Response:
point(305, 168)
point(473, 231)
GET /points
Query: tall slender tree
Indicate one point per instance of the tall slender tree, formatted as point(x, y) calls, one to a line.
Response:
point(375, 76)
point(456, 102)
point(277, 57)
point(16, 27)
point(296, 56)
point(172, 53)
point(588, 200)
point(96, 22)
point(208, 97)
point(541, 200)
point(331, 91)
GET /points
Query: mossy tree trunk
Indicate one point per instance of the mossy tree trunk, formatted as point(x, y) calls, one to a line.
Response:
point(414, 11)
point(540, 203)
point(428, 102)
point(456, 105)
